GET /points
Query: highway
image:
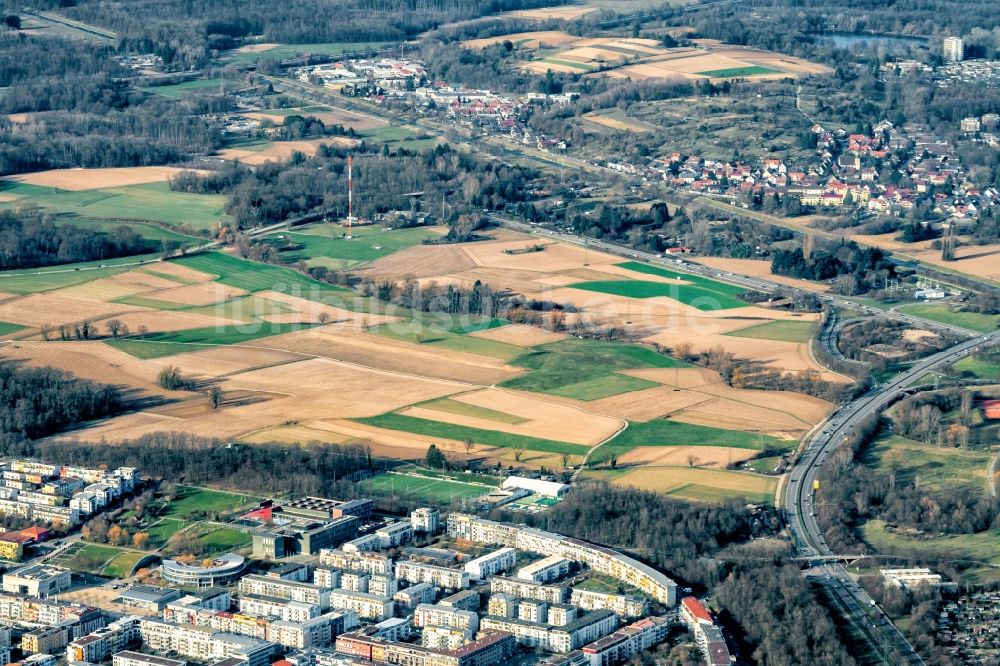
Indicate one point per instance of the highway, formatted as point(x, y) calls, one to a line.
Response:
point(800, 497)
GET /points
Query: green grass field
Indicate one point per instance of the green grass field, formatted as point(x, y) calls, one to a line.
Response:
point(738, 72)
point(695, 290)
point(785, 331)
point(397, 136)
point(983, 366)
point(450, 406)
point(145, 349)
point(570, 63)
point(930, 466)
point(941, 312)
point(393, 421)
point(585, 369)
point(7, 329)
point(122, 565)
point(222, 540)
point(664, 432)
point(327, 241)
point(287, 51)
point(190, 501)
point(426, 333)
point(230, 334)
point(153, 201)
point(180, 90)
point(160, 532)
point(252, 276)
point(981, 547)
point(33, 280)
point(434, 490)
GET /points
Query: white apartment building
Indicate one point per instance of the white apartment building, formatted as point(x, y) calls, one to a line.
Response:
point(416, 572)
point(394, 534)
point(578, 633)
point(598, 558)
point(373, 563)
point(367, 606)
point(203, 643)
point(445, 638)
point(425, 520)
point(354, 582)
point(515, 587)
point(623, 604)
point(445, 616)
point(129, 658)
point(545, 570)
point(414, 595)
point(282, 609)
point(383, 586)
point(101, 644)
point(953, 49)
point(490, 564)
point(285, 589)
point(326, 577)
point(561, 614)
point(363, 544)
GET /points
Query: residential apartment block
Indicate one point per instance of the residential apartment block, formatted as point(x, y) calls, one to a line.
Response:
point(578, 633)
point(623, 604)
point(545, 570)
point(490, 564)
point(417, 572)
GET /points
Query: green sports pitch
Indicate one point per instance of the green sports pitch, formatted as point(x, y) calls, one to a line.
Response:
point(432, 489)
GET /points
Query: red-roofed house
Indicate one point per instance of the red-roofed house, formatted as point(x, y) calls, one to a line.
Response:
point(39, 534)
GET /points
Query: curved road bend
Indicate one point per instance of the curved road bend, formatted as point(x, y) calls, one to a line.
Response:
point(799, 496)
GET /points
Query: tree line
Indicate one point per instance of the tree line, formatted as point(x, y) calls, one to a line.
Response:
point(857, 268)
point(31, 239)
point(35, 402)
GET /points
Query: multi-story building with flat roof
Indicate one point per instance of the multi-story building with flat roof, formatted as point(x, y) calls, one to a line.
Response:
point(282, 609)
point(130, 658)
point(285, 589)
point(220, 571)
point(394, 534)
point(425, 520)
point(103, 643)
point(445, 616)
point(37, 580)
point(489, 648)
point(484, 566)
point(373, 563)
point(578, 633)
point(623, 604)
point(204, 643)
point(410, 597)
point(368, 606)
point(601, 559)
point(417, 572)
point(619, 647)
point(953, 49)
point(545, 570)
point(526, 589)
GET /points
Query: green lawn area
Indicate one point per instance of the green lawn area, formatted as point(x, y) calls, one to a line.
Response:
point(418, 332)
point(785, 331)
point(733, 72)
point(434, 490)
point(161, 532)
point(393, 421)
point(222, 540)
point(450, 406)
point(152, 232)
point(180, 90)
point(33, 280)
point(191, 500)
point(933, 467)
point(229, 334)
point(484, 325)
point(153, 201)
point(145, 349)
point(247, 309)
point(100, 559)
point(122, 565)
point(7, 329)
point(664, 432)
point(696, 484)
point(600, 583)
point(694, 290)
point(983, 547)
point(397, 136)
point(570, 63)
point(287, 51)
point(253, 276)
point(983, 366)
point(466, 477)
point(586, 369)
point(764, 465)
point(942, 313)
point(327, 241)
